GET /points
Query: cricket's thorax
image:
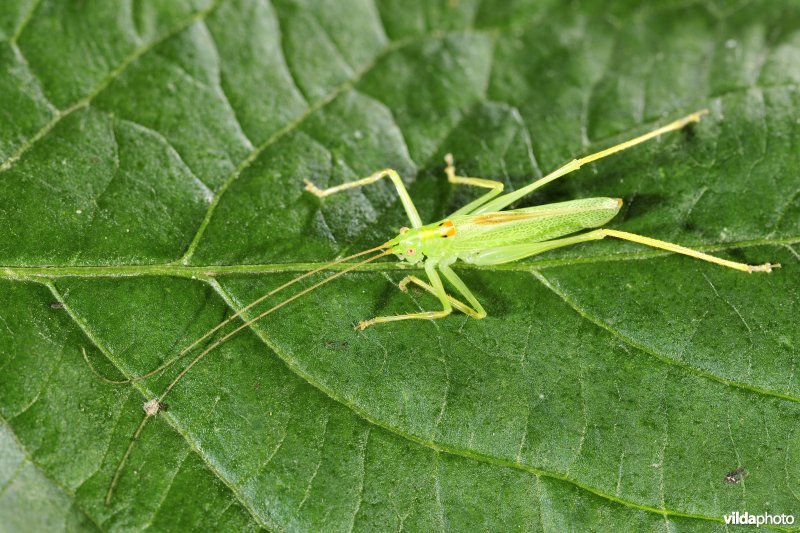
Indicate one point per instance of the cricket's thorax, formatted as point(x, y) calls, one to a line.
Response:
point(414, 245)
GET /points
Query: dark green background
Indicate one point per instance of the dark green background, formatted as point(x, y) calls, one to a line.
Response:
point(151, 163)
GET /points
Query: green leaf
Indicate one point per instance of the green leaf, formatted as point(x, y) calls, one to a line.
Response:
point(152, 157)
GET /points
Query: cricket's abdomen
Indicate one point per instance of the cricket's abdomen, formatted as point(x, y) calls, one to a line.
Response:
point(532, 224)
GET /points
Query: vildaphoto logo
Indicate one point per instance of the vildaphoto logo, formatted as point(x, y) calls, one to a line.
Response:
point(758, 520)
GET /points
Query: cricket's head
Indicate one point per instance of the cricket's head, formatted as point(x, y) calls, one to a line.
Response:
point(407, 246)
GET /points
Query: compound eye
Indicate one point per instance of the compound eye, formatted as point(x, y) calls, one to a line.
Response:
point(403, 230)
point(411, 251)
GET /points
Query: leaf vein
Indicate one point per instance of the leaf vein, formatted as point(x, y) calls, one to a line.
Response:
point(437, 485)
point(220, 86)
point(38, 90)
point(166, 489)
point(444, 448)
point(663, 358)
point(290, 127)
point(235, 491)
point(13, 477)
point(26, 272)
point(29, 458)
point(310, 484)
point(105, 82)
point(207, 193)
point(363, 475)
point(25, 21)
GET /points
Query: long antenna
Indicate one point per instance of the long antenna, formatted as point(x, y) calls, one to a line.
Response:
point(187, 349)
point(273, 291)
point(157, 403)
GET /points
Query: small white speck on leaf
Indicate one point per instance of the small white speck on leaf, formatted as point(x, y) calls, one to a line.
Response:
point(151, 407)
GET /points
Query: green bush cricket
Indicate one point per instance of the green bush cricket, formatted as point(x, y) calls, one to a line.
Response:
point(480, 233)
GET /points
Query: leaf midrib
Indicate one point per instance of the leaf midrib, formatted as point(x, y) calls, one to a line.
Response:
point(25, 272)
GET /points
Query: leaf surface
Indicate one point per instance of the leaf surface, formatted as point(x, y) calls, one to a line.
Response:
point(152, 158)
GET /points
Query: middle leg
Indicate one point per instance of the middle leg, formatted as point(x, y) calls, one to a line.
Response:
point(439, 291)
point(495, 186)
point(457, 304)
point(476, 311)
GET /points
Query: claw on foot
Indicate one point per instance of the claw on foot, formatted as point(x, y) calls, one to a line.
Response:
point(766, 267)
point(403, 285)
point(695, 117)
point(313, 189)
